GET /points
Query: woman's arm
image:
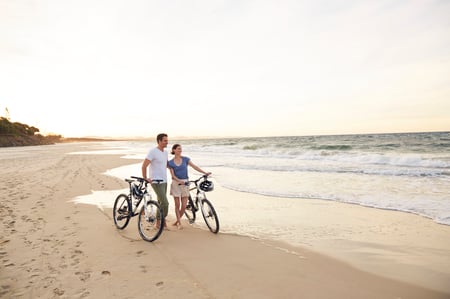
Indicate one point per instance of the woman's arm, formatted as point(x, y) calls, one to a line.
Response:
point(190, 163)
point(174, 177)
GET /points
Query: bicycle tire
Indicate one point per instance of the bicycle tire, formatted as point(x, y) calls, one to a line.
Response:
point(210, 215)
point(122, 211)
point(148, 228)
point(190, 211)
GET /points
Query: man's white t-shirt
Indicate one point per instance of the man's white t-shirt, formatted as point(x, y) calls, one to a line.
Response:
point(158, 166)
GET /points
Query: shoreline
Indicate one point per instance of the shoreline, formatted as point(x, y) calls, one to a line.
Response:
point(52, 247)
point(393, 244)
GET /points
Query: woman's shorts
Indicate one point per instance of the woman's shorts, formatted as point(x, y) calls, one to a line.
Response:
point(179, 190)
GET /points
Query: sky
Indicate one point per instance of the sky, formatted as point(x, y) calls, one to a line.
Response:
point(225, 67)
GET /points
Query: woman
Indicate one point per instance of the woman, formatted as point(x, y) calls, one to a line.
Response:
point(179, 190)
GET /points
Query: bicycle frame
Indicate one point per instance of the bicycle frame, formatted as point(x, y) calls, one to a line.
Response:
point(198, 195)
point(146, 194)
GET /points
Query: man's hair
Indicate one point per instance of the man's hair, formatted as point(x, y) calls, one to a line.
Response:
point(160, 137)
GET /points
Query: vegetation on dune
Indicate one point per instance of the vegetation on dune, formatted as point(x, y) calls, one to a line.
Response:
point(18, 134)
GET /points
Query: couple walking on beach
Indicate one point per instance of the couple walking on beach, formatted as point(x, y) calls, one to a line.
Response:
point(158, 160)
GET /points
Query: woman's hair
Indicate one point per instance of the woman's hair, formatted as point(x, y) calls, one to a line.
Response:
point(174, 147)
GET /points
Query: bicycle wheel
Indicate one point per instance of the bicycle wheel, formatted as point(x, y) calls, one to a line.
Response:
point(210, 216)
point(122, 211)
point(150, 228)
point(190, 211)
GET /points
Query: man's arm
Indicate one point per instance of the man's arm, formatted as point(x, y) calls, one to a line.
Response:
point(145, 165)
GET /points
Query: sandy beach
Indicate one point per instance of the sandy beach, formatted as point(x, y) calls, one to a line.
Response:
point(53, 248)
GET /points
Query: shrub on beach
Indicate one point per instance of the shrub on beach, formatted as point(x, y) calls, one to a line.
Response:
point(18, 134)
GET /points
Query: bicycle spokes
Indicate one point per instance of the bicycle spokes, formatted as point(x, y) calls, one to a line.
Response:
point(151, 214)
point(122, 211)
point(149, 226)
point(210, 216)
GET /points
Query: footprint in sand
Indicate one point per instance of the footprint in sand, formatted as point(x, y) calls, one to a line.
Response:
point(75, 258)
point(4, 289)
point(25, 218)
point(83, 276)
point(75, 261)
point(84, 294)
point(11, 223)
point(58, 292)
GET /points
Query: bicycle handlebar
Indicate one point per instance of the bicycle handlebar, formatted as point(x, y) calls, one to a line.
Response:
point(141, 180)
point(203, 177)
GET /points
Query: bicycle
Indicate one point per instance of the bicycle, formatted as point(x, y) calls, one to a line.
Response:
point(151, 216)
point(202, 185)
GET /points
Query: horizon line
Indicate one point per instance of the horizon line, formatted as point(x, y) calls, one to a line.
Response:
point(237, 136)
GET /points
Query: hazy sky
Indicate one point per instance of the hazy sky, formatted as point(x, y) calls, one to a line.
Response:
point(225, 68)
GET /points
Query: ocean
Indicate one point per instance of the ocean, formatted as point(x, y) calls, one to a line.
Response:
point(408, 172)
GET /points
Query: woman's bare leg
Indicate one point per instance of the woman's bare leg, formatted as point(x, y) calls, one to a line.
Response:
point(183, 205)
point(181, 212)
point(177, 209)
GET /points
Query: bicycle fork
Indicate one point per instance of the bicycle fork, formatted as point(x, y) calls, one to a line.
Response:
point(201, 197)
point(148, 214)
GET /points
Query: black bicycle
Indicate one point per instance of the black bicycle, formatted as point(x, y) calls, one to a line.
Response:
point(202, 185)
point(151, 216)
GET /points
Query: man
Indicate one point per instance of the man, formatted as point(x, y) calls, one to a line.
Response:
point(157, 159)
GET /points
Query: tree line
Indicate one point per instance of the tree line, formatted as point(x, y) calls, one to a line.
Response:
point(19, 134)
